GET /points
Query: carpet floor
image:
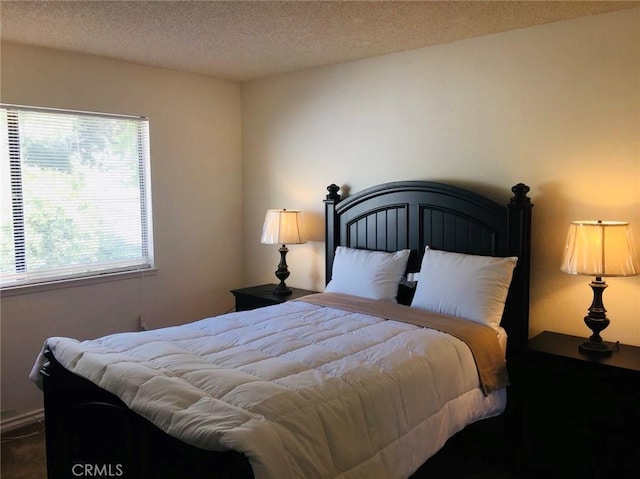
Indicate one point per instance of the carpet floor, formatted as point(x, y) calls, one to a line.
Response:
point(23, 454)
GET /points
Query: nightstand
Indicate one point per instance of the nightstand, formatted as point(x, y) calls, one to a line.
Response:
point(581, 414)
point(261, 296)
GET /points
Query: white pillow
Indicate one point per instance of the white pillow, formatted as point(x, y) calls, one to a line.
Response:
point(366, 273)
point(462, 285)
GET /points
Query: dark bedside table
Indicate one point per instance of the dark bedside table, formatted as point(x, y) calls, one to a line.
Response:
point(261, 296)
point(581, 414)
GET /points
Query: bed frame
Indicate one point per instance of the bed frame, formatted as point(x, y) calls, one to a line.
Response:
point(414, 214)
point(89, 430)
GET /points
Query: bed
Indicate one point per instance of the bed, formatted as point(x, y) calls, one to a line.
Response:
point(94, 431)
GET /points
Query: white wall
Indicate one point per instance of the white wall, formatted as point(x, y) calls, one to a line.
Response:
point(555, 106)
point(197, 203)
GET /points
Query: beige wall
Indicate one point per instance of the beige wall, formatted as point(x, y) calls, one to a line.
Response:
point(197, 203)
point(554, 106)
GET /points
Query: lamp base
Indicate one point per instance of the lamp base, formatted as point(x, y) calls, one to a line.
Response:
point(591, 348)
point(282, 273)
point(282, 290)
point(596, 320)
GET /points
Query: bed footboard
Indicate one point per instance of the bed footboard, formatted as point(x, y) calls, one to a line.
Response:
point(91, 433)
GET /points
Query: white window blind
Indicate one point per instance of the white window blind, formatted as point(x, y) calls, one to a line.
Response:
point(76, 198)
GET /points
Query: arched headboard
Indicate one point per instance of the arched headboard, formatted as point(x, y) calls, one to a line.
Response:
point(413, 214)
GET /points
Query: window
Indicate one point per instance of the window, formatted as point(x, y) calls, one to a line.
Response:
point(76, 197)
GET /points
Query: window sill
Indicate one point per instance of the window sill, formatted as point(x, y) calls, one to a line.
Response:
point(74, 282)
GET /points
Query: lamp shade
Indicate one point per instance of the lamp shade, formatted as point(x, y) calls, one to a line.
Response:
point(283, 227)
point(600, 248)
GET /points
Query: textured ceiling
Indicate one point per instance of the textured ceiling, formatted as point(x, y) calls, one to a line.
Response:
point(243, 40)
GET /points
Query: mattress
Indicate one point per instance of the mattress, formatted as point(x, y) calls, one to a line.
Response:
point(302, 390)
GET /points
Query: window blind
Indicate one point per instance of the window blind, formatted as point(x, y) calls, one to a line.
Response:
point(76, 197)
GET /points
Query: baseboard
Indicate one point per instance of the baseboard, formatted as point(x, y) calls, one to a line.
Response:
point(21, 420)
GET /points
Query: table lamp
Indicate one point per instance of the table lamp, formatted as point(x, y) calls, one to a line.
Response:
point(600, 249)
point(283, 227)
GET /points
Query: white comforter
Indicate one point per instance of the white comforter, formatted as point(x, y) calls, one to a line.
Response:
point(303, 391)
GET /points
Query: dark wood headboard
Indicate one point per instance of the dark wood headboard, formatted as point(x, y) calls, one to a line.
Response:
point(413, 214)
